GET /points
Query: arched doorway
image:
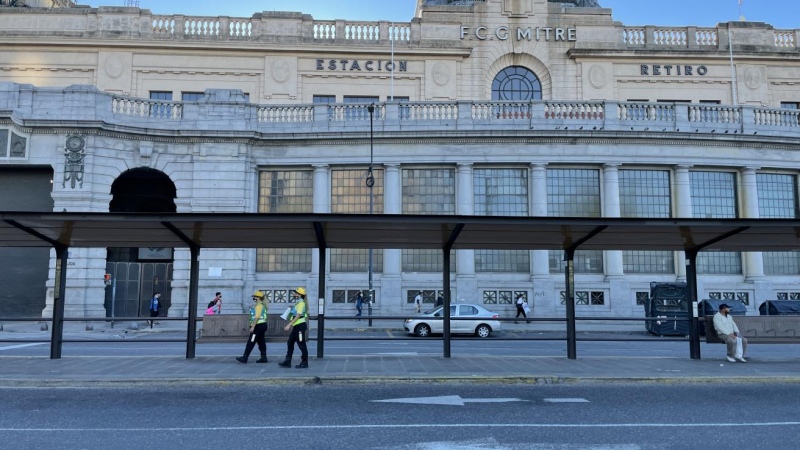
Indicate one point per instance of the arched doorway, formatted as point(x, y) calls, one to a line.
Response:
point(137, 273)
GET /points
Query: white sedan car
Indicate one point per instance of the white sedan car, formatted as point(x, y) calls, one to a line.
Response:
point(471, 319)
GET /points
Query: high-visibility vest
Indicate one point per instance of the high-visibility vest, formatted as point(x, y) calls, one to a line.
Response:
point(262, 316)
point(299, 310)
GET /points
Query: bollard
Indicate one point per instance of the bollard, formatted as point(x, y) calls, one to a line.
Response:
point(89, 327)
point(44, 326)
point(134, 326)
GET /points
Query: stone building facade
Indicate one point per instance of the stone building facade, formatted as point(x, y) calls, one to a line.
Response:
point(502, 107)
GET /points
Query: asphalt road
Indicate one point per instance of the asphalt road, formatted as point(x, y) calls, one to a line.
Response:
point(416, 416)
point(367, 343)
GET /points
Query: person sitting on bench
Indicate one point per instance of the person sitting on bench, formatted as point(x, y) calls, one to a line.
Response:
point(728, 332)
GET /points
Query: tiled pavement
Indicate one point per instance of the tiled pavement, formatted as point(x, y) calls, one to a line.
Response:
point(80, 370)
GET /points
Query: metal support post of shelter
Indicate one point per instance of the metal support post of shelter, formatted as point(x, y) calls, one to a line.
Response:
point(57, 333)
point(321, 291)
point(194, 280)
point(691, 284)
point(59, 294)
point(446, 306)
point(446, 287)
point(569, 278)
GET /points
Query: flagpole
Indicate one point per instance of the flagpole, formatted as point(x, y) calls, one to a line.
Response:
point(391, 37)
point(734, 85)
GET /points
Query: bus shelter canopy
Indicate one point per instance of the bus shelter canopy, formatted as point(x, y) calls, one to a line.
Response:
point(382, 231)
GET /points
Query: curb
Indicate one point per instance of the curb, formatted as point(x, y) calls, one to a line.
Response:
point(334, 380)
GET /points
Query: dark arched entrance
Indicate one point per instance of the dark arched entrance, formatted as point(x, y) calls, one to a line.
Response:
point(138, 273)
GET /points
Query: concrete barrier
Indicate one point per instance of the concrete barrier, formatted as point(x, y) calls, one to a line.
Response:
point(761, 329)
point(237, 326)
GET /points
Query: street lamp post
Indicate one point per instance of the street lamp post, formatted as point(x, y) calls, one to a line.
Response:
point(370, 184)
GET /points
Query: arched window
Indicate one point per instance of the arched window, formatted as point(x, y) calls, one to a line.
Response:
point(516, 83)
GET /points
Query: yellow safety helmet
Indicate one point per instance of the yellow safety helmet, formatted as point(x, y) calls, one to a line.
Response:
point(258, 295)
point(301, 291)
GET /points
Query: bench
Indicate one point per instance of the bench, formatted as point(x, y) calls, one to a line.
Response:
point(761, 329)
point(237, 327)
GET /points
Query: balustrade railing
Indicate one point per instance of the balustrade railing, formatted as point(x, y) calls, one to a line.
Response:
point(501, 110)
point(156, 109)
point(706, 37)
point(574, 110)
point(670, 37)
point(624, 115)
point(399, 33)
point(324, 30)
point(785, 39)
point(715, 114)
point(777, 117)
point(430, 111)
point(634, 36)
point(240, 28)
point(649, 112)
point(285, 114)
point(680, 37)
point(362, 32)
point(355, 112)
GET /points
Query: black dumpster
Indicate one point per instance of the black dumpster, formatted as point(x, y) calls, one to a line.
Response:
point(667, 301)
point(709, 307)
point(780, 308)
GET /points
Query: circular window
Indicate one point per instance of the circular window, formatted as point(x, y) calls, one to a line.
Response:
point(516, 83)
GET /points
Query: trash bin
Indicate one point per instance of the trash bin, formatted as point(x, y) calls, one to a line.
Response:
point(667, 301)
point(709, 307)
point(779, 308)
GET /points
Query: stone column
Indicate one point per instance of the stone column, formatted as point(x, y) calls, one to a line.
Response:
point(466, 280)
point(391, 279)
point(545, 297)
point(683, 208)
point(754, 261)
point(611, 208)
point(538, 191)
point(321, 204)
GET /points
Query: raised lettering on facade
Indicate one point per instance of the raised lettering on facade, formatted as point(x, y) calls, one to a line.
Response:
point(346, 65)
point(672, 70)
point(504, 33)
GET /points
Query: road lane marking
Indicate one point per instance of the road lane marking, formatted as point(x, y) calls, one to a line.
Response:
point(413, 425)
point(566, 400)
point(11, 347)
point(450, 400)
point(395, 354)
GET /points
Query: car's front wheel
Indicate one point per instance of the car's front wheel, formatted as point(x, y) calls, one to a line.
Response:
point(422, 330)
point(483, 330)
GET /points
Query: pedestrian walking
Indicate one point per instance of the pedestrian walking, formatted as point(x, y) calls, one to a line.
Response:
point(258, 327)
point(215, 305)
point(418, 302)
point(359, 303)
point(522, 308)
point(155, 308)
point(439, 301)
point(298, 318)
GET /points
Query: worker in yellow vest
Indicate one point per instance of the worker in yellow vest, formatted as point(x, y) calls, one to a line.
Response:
point(258, 327)
point(298, 319)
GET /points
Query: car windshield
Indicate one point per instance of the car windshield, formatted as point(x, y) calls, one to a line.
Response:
point(438, 312)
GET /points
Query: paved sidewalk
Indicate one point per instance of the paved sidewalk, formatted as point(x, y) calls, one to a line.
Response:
point(82, 371)
point(89, 370)
point(40, 371)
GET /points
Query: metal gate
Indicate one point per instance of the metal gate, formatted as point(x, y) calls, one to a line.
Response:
point(133, 285)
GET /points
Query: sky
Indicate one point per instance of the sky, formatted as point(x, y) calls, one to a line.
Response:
point(782, 14)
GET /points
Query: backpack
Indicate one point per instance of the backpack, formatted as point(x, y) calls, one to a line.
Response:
point(211, 303)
